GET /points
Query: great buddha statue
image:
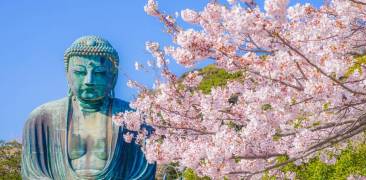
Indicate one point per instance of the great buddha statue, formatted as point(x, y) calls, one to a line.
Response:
point(74, 137)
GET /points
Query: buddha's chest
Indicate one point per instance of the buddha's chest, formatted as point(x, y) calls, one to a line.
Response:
point(88, 143)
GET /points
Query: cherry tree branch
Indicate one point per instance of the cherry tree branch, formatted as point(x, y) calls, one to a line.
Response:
point(341, 136)
point(286, 43)
point(358, 2)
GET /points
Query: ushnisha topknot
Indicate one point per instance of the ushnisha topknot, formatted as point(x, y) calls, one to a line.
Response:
point(89, 46)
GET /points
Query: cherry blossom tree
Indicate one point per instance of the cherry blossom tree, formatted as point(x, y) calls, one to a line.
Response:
point(301, 92)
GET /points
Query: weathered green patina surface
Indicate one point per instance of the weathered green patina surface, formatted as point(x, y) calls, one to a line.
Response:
point(74, 137)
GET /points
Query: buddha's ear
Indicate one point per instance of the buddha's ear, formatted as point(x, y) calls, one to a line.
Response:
point(114, 82)
point(69, 93)
point(68, 76)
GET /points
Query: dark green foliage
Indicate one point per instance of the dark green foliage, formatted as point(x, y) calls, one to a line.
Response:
point(266, 107)
point(351, 161)
point(359, 61)
point(10, 157)
point(170, 171)
point(189, 174)
point(235, 126)
point(234, 99)
point(215, 77)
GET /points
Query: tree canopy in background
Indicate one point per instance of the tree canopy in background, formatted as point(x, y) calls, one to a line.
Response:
point(10, 157)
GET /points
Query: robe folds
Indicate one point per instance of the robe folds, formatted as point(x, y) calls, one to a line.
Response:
point(45, 154)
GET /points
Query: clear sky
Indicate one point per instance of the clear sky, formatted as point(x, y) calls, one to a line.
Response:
point(35, 33)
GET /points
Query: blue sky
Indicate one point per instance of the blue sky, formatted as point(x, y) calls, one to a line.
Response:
point(34, 35)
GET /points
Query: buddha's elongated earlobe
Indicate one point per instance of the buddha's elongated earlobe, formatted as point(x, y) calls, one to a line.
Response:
point(112, 94)
point(69, 93)
point(115, 78)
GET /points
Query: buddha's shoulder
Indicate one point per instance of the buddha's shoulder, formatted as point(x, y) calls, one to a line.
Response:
point(50, 108)
point(121, 105)
point(120, 102)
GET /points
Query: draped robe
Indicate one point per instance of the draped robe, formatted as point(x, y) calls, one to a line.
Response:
point(45, 154)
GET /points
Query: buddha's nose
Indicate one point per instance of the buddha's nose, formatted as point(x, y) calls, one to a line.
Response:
point(89, 79)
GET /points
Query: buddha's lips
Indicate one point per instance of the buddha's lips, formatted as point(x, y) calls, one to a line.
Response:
point(92, 100)
point(89, 89)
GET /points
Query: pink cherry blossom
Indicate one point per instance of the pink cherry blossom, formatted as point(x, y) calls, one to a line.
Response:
point(297, 94)
point(151, 8)
point(190, 16)
point(276, 8)
point(128, 137)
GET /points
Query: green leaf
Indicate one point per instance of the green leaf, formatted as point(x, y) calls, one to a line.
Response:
point(357, 66)
point(235, 126)
point(189, 174)
point(266, 107)
point(326, 106)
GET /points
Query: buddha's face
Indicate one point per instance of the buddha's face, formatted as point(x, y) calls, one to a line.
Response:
point(91, 78)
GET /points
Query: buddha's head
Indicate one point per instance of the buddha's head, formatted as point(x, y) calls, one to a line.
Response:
point(92, 67)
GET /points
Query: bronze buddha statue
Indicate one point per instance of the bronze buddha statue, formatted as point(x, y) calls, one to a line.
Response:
point(74, 137)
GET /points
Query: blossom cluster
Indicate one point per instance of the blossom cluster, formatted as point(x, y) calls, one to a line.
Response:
point(301, 93)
